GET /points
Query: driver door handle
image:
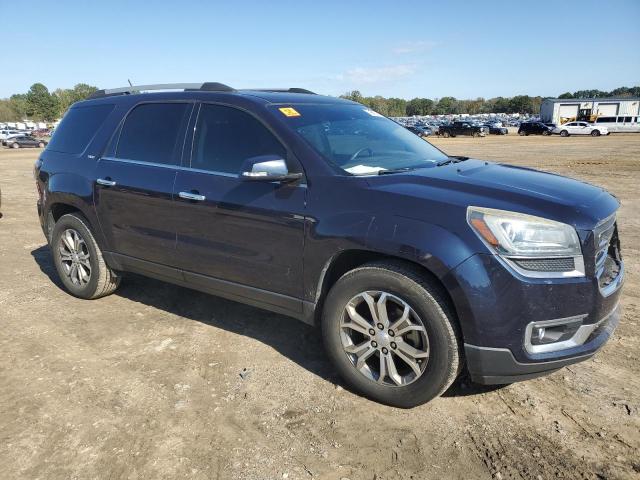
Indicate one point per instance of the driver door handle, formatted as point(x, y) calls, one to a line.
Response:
point(192, 196)
point(106, 182)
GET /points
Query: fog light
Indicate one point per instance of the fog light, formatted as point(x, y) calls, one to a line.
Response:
point(550, 335)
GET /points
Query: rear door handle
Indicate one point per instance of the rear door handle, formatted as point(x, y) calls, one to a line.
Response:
point(106, 182)
point(192, 196)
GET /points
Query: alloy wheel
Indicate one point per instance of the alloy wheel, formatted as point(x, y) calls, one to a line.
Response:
point(75, 257)
point(384, 338)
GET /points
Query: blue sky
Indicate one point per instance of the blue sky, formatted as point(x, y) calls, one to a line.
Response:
point(391, 48)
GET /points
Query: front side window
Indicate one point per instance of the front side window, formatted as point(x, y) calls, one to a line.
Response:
point(358, 140)
point(151, 132)
point(226, 137)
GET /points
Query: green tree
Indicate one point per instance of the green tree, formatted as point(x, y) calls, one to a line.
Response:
point(69, 96)
point(520, 104)
point(41, 105)
point(446, 105)
point(419, 106)
point(18, 103)
point(566, 95)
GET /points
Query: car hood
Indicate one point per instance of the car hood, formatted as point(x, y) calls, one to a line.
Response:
point(507, 187)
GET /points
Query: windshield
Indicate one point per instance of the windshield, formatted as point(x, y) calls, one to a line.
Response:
point(359, 140)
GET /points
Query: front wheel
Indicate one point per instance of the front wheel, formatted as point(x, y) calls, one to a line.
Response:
point(564, 133)
point(546, 133)
point(595, 133)
point(15, 145)
point(41, 145)
point(78, 259)
point(391, 335)
point(446, 134)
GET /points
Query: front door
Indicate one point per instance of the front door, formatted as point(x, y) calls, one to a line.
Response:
point(134, 186)
point(243, 237)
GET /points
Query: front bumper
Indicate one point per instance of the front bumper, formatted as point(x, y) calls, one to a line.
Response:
point(488, 365)
point(499, 308)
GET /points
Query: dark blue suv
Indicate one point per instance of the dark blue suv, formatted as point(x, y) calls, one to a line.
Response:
point(414, 264)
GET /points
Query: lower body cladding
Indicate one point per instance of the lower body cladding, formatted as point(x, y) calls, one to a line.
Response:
point(516, 328)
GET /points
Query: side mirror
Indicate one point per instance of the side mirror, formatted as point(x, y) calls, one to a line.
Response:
point(267, 168)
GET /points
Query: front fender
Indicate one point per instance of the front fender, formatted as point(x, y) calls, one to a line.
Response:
point(437, 249)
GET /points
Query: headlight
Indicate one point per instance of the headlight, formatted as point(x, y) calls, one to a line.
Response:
point(534, 246)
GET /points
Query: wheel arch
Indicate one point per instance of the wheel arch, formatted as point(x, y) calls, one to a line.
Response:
point(348, 260)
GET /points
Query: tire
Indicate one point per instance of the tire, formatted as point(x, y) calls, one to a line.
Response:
point(446, 134)
point(400, 283)
point(522, 133)
point(101, 280)
point(546, 133)
point(564, 133)
point(475, 134)
point(15, 145)
point(41, 145)
point(595, 133)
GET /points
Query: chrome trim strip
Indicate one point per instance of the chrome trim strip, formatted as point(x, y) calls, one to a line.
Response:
point(179, 167)
point(578, 262)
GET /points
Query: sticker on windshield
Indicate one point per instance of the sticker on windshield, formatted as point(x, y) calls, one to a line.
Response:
point(289, 112)
point(372, 113)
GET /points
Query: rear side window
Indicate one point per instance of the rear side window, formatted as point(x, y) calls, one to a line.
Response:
point(226, 137)
point(151, 132)
point(78, 127)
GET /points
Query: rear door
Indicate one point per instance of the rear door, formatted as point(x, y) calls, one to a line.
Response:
point(240, 235)
point(134, 185)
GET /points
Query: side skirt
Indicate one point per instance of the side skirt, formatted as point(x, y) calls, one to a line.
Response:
point(256, 297)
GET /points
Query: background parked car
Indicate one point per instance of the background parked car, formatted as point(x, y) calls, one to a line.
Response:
point(26, 141)
point(581, 128)
point(496, 128)
point(420, 131)
point(6, 134)
point(462, 128)
point(534, 128)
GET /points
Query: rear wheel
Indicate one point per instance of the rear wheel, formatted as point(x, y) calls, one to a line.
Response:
point(446, 134)
point(41, 144)
point(15, 145)
point(475, 134)
point(546, 133)
point(390, 334)
point(595, 133)
point(78, 259)
point(564, 133)
point(522, 133)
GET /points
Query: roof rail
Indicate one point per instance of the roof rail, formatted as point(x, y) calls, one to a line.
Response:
point(205, 87)
point(284, 90)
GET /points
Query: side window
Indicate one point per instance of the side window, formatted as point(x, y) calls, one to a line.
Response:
point(226, 137)
point(78, 127)
point(151, 131)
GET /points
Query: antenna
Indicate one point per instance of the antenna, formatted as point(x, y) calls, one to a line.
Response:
point(130, 84)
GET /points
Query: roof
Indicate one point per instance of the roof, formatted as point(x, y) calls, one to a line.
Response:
point(595, 99)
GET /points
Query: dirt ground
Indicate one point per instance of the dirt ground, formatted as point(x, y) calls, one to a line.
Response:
point(159, 382)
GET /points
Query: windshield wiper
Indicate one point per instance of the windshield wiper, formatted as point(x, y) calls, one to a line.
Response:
point(395, 170)
point(452, 159)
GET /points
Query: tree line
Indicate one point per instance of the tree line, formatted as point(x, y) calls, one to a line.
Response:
point(39, 104)
point(399, 107)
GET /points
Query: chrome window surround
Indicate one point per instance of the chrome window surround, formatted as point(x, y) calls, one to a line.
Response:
point(579, 337)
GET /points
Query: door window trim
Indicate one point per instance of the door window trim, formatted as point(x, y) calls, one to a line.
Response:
point(188, 154)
